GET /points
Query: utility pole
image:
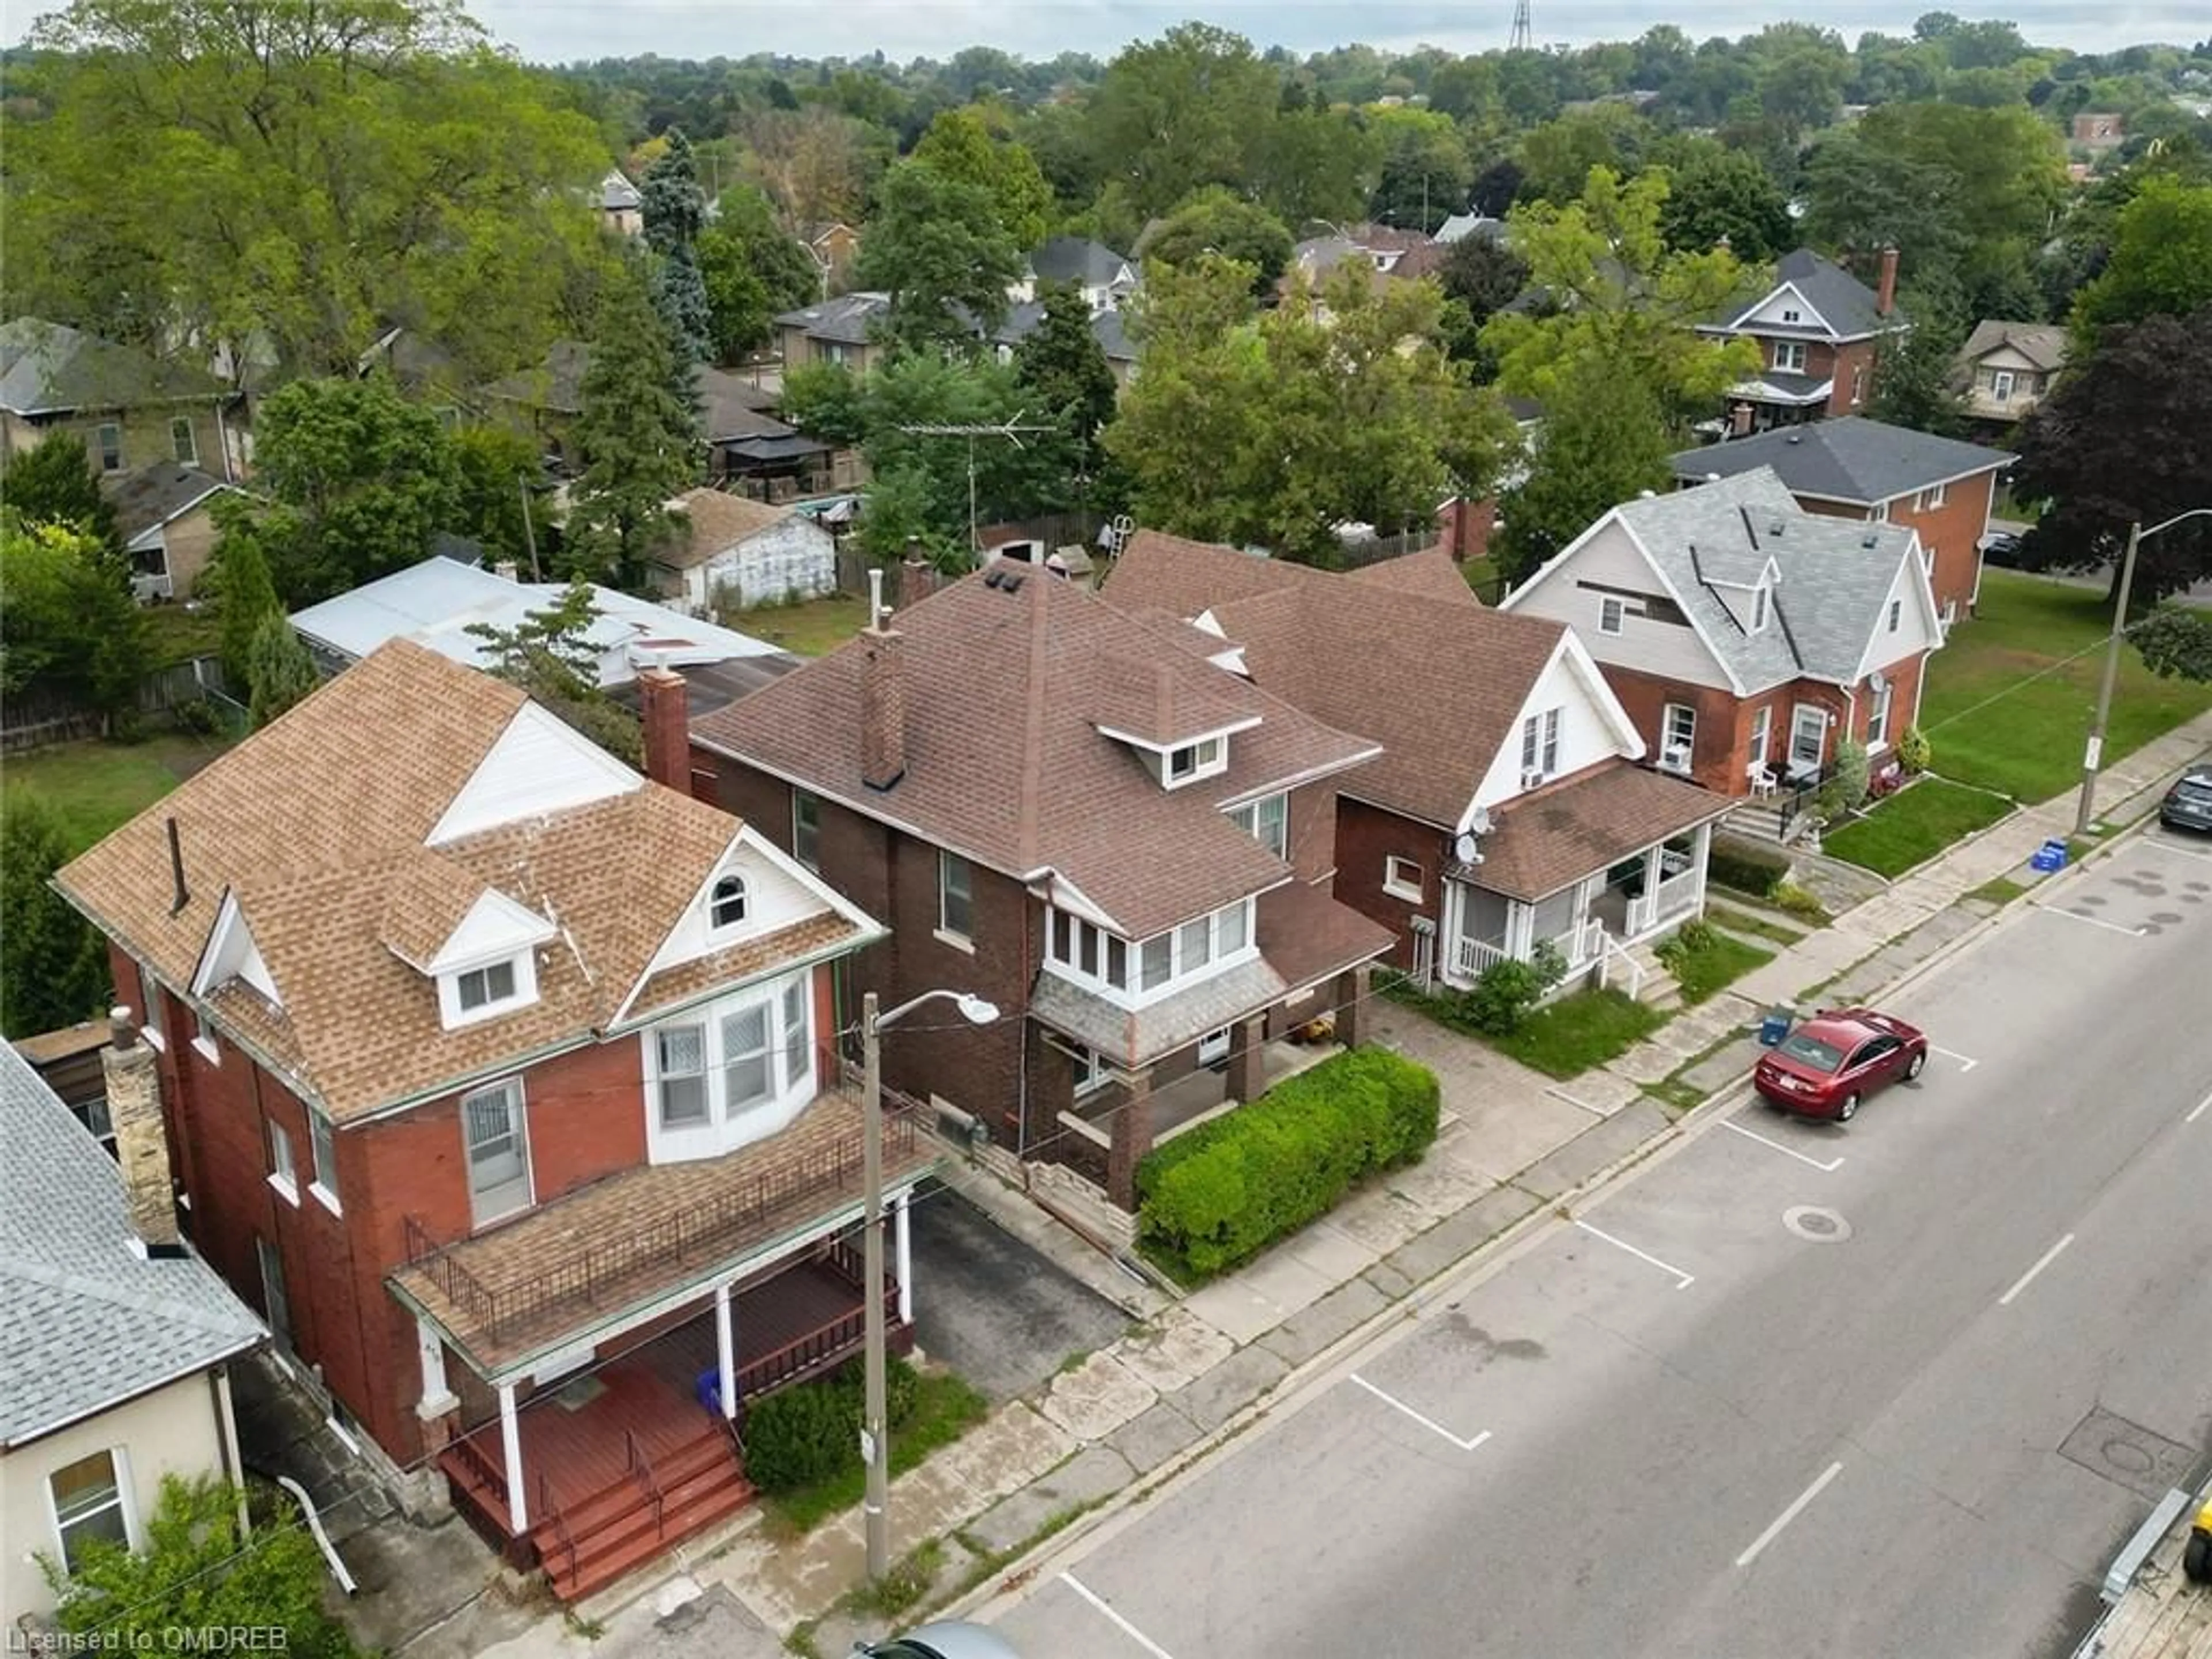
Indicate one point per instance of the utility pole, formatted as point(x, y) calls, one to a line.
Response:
point(875, 1446)
point(1010, 430)
point(2092, 756)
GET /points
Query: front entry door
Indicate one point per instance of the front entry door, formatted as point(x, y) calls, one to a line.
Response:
point(1808, 739)
point(274, 1300)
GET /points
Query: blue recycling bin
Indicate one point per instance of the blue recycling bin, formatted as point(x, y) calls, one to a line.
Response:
point(2049, 857)
point(709, 1390)
point(1773, 1028)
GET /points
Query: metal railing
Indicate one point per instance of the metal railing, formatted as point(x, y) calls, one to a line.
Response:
point(811, 1352)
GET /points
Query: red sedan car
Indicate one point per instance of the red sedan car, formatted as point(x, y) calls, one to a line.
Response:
point(1830, 1063)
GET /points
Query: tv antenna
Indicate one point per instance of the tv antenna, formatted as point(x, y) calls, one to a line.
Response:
point(1009, 429)
point(1520, 41)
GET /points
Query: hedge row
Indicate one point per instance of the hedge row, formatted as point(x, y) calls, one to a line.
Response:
point(1747, 867)
point(1221, 1194)
point(798, 1437)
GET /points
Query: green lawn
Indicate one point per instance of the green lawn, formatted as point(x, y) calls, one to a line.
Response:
point(1913, 824)
point(1742, 921)
point(812, 627)
point(1703, 960)
point(95, 786)
point(1566, 1038)
point(178, 633)
point(945, 1407)
point(1992, 722)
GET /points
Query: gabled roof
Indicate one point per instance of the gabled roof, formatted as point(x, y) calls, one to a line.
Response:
point(1847, 307)
point(844, 320)
point(47, 369)
point(347, 835)
point(730, 406)
point(715, 522)
point(87, 1321)
point(1005, 761)
point(617, 194)
point(1460, 226)
point(1346, 649)
point(1836, 576)
point(1078, 260)
point(1850, 459)
point(148, 497)
point(436, 603)
point(2043, 344)
point(1108, 328)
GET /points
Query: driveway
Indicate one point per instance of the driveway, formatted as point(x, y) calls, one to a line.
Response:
point(996, 1311)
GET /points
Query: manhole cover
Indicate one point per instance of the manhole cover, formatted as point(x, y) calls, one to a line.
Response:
point(2127, 1454)
point(1810, 1221)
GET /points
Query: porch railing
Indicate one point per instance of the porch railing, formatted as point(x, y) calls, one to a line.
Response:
point(480, 1467)
point(709, 1228)
point(813, 1351)
point(1672, 896)
point(1613, 957)
point(1472, 956)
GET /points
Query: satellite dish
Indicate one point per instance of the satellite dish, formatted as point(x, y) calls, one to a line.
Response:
point(1480, 823)
point(1465, 850)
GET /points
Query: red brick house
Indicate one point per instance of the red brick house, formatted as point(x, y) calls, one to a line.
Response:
point(1082, 817)
point(501, 1082)
point(1508, 807)
point(1817, 329)
point(1745, 636)
point(1941, 488)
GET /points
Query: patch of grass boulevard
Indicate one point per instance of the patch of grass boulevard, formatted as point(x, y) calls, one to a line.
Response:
point(1742, 921)
point(1565, 1039)
point(2003, 713)
point(1705, 960)
point(1913, 825)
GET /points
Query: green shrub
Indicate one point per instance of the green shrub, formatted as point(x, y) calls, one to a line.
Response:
point(1223, 1192)
point(1504, 993)
point(1852, 773)
point(1914, 751)
point(197, 715)
point(1692, 938)
point(1747, 868)
point(1800, 902)
point(799, 1436)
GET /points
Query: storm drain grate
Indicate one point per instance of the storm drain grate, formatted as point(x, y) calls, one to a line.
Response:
point(2128, 1454)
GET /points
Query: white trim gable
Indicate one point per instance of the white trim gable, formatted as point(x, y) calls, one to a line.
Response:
point(231, 953)
point(1911, 579)
point(1757, 317)
point(495, 928)
point(1062, 894)
point(538, 766)
point(1593, 727)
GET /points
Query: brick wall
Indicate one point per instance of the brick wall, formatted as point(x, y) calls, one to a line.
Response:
point(1852, 366)
point(1366, 837)
point(1720, 747)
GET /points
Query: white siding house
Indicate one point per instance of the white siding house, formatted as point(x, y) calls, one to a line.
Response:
point(740, 552)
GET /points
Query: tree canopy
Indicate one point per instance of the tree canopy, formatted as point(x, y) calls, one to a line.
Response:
point(1603, 441)
point(938, 248)
point(2160, 263)
point(1217, 222)
point(961, 144)
point(69, 627)
point(636, 437)
point(753, 271)
point(53, 966)
point(53, 483)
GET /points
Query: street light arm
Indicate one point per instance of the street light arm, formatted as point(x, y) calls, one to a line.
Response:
point(2193, 513)
point(892, 1016)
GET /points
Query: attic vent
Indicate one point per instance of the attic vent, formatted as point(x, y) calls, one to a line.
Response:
point(1869, 539)
point(996, 576)
point(1774, 527)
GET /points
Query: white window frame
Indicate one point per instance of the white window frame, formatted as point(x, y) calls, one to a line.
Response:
point(284, 1164)
point(1881, 704)
point(1789, 357)
point(1858, 383)
point(100, 438)
point(1187, 762)
point(203, 1037)
point(1895, 615)
point(1181, 955)
point(184, 440)
point(663, 1075)
point(522, 990)
point(786, 1053)
point(151, 1020)
point(1668, 744)
point(1758, 608)
point(1762, 733)
point(806, 828)
point(1403, 878)
point(485, 1205)
point(1611, 613)
point(1539, 744)
point(729, 888)
point(961, 931)
point(2001, 385)
point(1267, 821)
point(323, 1146)
point(118, 1474)
point(1083, 951)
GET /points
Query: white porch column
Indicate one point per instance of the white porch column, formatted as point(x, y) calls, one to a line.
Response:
point(1520, 929)
point(430, 1348)
point(510, 1440)
point(903, 1234)
point(725, 1349)
point(1701, 850)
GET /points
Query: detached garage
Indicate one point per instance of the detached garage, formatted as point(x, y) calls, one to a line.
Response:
point(735, 551)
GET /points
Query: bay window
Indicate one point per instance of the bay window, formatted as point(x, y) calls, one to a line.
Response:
point(1078, 950)
point(740, 1068)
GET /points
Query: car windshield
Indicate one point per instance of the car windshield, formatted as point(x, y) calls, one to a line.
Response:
point(1811, 1051)
point(2194, 789)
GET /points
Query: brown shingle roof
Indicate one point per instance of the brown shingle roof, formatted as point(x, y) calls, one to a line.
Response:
point(716, 521)
point(1437, 677)
point(1559, 834)
point(318, 825)
point(1003, 760)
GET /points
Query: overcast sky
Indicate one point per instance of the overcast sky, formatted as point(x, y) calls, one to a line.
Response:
point(561, 30)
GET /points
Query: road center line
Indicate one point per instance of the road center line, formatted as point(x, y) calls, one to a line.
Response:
point(1426, 1423)
point(1965, 1064)
point(1788, 1515)
point(1683, 1280)
point(2202, 1106)
point(2091, 921)
point(1831, 1166)
point(2042, 1262)
point(1122, 1625)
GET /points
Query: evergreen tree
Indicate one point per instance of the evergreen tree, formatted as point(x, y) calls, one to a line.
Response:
point(279, 668)
point(1062, 362)
point(53, 971)
point(637, 438)
point(239, 581)
point(1914, 381)
point(673, 209)
point(1604, 441)
point(53, 483)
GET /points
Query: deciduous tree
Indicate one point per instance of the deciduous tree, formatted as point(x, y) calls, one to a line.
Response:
point(753, 269)
point(962, 144)
point(53, 483)
point(1715, 193)
point(549, 655)
point(2161, 264)
point(1915, 370)
point(69, 627)
point(1425, 171)
point(1182, 111)
point(2175, 644)
point(53, 967)
point(937, 248)
point(1603, 441)
point(1220, 223)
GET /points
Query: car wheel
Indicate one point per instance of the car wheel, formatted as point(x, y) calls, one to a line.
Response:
point(1916, 1066)
point(1848, 1109)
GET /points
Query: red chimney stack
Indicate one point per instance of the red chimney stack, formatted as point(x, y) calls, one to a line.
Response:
point(1885, 296)
point(664, 707)
point(883, 696)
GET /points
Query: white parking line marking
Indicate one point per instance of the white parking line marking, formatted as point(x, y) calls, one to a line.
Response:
point(1563, 1095)
point(2092, 921)
point(1684, 1280)
point(1831, 1166)
point(1788, 1515)
point(2043, 1261)
point(2166, 843)
point(1965, 1064)
point(1427, 1423)
point(1122, 1625)
point(2202, 1106)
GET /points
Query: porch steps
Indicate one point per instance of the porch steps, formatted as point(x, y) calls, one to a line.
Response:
point(1657, 989)
point(1759, 820)
point(619, 1529)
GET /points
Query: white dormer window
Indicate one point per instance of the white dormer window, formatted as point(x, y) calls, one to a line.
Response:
point(1539, 747)
point(1758, 608)
point(1202, 759)
point(486, 987)
point(726, 906)
point(487, 990)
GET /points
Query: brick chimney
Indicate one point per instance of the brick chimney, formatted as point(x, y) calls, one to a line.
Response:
point(664, 707)
point(1740, 421)
point(142, 1145)
point(883, 696)
point(917, 576)
point(1884, 293)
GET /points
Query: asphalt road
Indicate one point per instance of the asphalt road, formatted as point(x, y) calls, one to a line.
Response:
point(1897, 1389)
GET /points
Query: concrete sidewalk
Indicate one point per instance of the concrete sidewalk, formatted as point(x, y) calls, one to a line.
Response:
point(1513, 1143)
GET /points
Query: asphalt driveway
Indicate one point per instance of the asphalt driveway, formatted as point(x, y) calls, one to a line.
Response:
point(992, 1309)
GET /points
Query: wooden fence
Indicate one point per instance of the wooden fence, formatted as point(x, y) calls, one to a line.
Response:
point(35, 721)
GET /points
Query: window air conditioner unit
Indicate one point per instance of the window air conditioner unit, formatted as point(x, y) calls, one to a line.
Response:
point(1530, 779)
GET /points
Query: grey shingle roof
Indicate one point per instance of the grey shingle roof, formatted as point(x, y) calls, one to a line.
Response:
point(1106, 327)
point(2043, 344)
point(1833, 584)
point(150, 495)
point(1844, 303)
point(47, 369)
point(1076, 259)
point(844, 319)
point(87, 1322)
point(617, 194)
point(1848, 460)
